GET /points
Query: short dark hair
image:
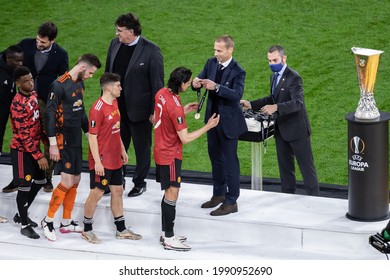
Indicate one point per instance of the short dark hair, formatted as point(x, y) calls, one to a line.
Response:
point(107, 78)
point(130, 21)
point(178, 76)
point(48, 29)
point(277, 48)
point(11, 50)
point(20, 72)
point(91, 59)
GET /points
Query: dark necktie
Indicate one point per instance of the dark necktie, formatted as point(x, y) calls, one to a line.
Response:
point(274, 83)
point(218, 75)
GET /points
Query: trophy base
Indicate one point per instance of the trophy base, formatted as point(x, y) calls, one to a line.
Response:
point(366, 108)
point(367, 115)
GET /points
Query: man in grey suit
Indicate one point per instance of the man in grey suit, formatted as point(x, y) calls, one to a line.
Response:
point(292, 128)
point(139, 62)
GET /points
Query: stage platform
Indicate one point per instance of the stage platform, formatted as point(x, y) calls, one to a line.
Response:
point(268, 225)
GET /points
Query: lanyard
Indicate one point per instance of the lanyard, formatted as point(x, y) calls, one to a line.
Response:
point(200, 101)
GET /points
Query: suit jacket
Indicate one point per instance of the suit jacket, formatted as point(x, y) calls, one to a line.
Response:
point(292, 121)
point(56, 65)
point(144, 77)
point(228, 97)
point(7, 85)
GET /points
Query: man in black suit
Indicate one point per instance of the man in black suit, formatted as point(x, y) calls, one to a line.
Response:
point(139, 62)
point(292, 128)
point(10, 59)
point(46, 61)
point(224, 78)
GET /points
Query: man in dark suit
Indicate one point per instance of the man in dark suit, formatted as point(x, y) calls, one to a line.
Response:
point(224, 78)
point(292, 128)
point(10, 59)
point(139, 62)
point(46, 61)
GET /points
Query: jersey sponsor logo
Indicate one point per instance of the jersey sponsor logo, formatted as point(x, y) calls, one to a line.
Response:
point(179, 120)
point(52, 95)
point(77, 106)
point(116, 127)
point(93, 123)
point(27, 178)
point(78, 103)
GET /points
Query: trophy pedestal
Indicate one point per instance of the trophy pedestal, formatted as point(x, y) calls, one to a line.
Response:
point(257, 166)
point(257, 139)
point(368, 168)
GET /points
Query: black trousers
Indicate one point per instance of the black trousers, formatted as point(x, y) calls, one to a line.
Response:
point(141, 135)
point(302, 152)
point(225, 164)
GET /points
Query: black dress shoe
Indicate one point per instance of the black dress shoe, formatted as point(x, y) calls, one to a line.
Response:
point(10, 188)
point(136, 191)
point(224, 209)
point(48, 187)
point(214, 201)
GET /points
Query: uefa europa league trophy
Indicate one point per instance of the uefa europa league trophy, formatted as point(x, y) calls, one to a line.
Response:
point(367, 61)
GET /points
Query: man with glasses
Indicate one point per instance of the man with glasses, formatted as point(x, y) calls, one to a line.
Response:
point(139, 62)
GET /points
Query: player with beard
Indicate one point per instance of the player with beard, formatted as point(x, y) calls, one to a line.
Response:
point(66, 117)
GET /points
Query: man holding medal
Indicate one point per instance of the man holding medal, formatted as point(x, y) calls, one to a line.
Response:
point(224, 78)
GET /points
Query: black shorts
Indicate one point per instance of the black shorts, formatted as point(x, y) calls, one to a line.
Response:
point(169, 175)
point(25, 168)
point(71, 161)
point(111, 178)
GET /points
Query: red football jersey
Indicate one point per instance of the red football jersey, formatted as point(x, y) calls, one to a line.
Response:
point(168, 119)
point(104, 121)
point(26, 122)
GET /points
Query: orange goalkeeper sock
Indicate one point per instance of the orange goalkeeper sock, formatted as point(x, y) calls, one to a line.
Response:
point(56, 199)
point(69, 200)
